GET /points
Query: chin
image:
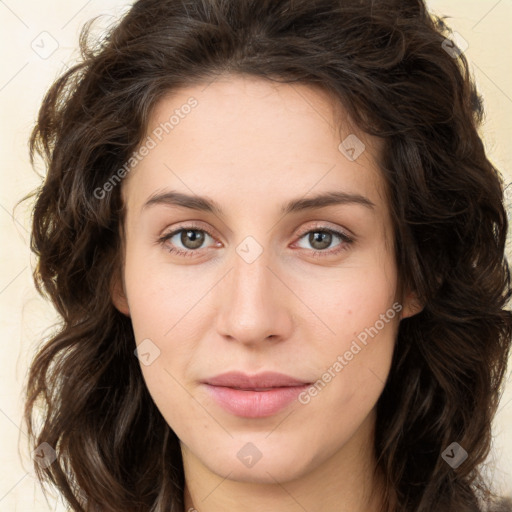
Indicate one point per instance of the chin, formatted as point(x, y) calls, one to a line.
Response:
point(275, 463)
point(261, 473)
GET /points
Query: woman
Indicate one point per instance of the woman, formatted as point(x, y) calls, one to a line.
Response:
point(277, 246)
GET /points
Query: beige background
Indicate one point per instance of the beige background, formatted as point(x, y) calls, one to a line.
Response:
point(26, 72)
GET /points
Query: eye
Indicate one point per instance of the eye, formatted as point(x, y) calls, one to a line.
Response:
point(322, 238)
point(190, 237)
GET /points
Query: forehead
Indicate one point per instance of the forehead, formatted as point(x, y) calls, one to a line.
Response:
point(256, 138)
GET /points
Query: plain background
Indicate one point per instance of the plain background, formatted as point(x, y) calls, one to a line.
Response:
point(39, 40)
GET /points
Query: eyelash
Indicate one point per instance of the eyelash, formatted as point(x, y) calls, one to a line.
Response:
point(345, 239)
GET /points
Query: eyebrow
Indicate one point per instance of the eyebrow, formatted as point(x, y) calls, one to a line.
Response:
point(173, 198)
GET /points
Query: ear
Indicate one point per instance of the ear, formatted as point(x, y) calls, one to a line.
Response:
point(118, 294)
point(411, 305)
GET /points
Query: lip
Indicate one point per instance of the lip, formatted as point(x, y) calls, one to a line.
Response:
point(236, 379)
point(254, 396)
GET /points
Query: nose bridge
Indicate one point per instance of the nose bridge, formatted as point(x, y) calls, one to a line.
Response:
point(251, 279)
point(251, 307)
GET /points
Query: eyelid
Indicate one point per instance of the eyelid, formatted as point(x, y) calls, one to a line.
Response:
point(324, 226)
point(185, 226)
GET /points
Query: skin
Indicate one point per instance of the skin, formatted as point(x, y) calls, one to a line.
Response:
point(252, 145)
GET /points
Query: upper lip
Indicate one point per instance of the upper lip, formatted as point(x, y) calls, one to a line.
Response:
point(260, 380)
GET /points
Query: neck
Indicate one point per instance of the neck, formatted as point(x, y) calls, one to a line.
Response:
point(344, 482)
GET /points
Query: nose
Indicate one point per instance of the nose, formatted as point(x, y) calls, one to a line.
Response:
point(254, 304)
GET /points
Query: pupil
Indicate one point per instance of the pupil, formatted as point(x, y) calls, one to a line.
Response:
point(323, 237)
point(195, 237)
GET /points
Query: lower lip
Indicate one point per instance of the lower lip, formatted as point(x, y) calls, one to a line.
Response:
point(255, 404)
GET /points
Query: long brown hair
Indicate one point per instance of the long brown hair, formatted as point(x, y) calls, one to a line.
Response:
point(388, 63)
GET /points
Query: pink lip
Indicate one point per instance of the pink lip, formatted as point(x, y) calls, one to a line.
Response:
point(249, 396)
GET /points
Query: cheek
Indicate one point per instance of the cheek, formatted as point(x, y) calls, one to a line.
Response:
point(360, 316)
point(161, 317)
point(350, 301)
point(160, 300)
point(164, 310)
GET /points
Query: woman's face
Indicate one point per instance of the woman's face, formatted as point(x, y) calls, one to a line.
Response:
point(270, 278)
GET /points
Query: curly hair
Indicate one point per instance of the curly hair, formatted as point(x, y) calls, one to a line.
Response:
point(387, 64)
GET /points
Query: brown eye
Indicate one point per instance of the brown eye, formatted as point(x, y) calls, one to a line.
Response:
point(185, 241)
point(191, 236)
point(320, 240)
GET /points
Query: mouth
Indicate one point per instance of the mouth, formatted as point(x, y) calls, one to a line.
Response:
point(256, 389)
point(257, 396)
point(261, 381)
